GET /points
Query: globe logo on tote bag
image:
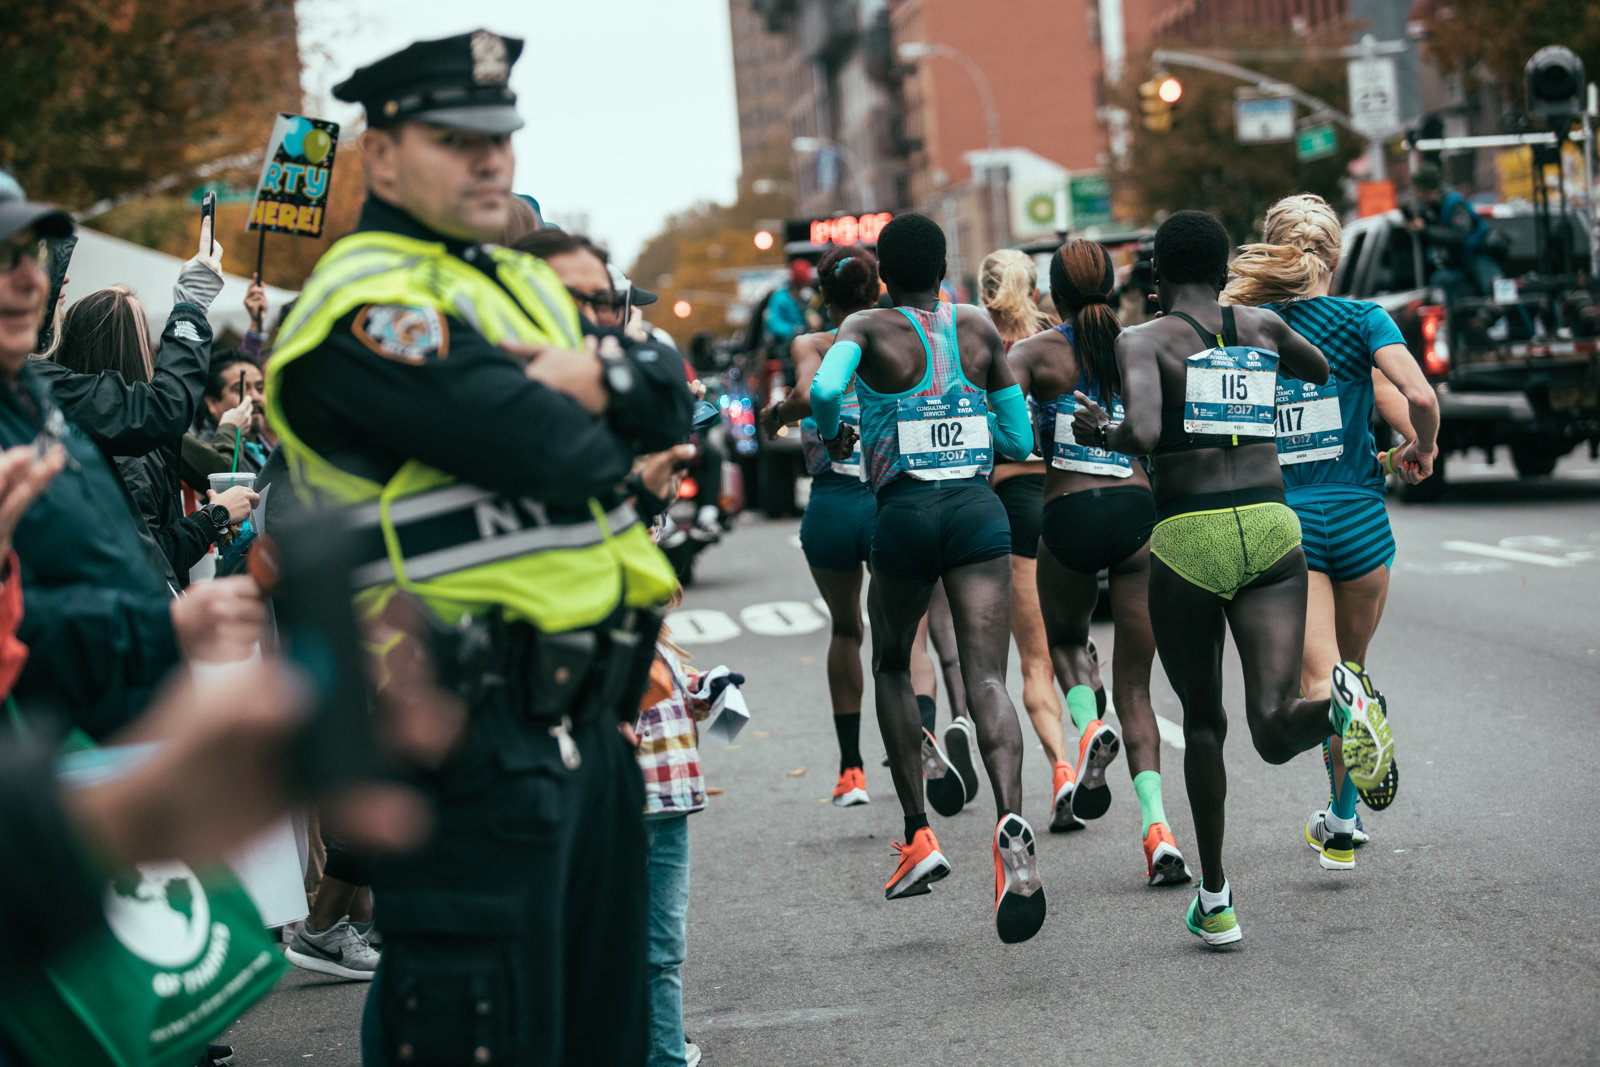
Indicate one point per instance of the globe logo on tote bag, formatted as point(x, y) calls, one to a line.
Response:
point(160, 913)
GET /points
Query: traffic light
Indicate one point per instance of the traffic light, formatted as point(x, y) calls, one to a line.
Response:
point(1156, 99)
point(1555, 83)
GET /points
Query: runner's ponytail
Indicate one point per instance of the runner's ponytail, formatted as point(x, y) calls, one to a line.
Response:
point(1300, 245)
point(1008, 278)
point(1081, 280)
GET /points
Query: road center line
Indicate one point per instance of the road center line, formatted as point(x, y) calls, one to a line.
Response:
point(1516, 555)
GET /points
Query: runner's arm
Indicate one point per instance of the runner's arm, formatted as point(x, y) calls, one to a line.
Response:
point(807, 351)
point(832, 379)
point(1140, 428)
point(1391, 405)
point(1394, 360)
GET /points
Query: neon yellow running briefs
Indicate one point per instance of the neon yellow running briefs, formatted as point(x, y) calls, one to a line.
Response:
point(1224, 541)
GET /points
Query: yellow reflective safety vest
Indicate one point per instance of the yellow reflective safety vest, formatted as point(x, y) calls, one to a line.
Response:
point(558, 577)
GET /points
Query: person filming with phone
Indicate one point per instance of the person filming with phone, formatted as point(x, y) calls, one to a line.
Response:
point(440, 391)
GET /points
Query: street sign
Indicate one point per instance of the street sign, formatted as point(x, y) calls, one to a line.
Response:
point(1374, 97)
point(1090, 200)
point(1315, 142)
point(1263, 120)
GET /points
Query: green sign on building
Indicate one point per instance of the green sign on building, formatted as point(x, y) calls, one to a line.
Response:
point(1315, 142)
point(1091, 200)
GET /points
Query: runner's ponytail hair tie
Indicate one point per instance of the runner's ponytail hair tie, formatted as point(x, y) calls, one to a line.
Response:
point(1093, 298)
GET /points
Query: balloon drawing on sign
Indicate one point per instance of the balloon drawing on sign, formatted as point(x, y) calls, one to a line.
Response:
point(316, 145)
point(782, 618)
point(294, 138)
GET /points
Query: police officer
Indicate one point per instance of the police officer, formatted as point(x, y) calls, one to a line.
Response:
point(440, 391)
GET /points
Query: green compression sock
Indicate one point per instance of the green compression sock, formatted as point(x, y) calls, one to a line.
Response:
point(1082, 706)
point(1148, 785)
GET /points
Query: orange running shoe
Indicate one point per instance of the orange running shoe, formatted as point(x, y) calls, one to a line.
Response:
point(1163, 863)
point(1097, 747)
point(1018, 892)
point(1062, 783)
point(852, 788)
point(921, 864)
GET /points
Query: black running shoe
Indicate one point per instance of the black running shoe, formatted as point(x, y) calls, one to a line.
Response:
point(960, 738)
point(942, 783)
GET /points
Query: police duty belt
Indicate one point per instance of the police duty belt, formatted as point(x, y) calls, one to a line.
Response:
point(464, 526)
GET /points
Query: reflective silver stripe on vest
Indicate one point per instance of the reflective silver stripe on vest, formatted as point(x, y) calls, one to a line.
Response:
point(484, 550)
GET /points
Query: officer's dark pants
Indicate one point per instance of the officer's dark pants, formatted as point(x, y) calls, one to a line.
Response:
point(517, 935)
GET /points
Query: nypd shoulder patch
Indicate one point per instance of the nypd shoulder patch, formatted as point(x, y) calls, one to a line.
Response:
point(403, 332)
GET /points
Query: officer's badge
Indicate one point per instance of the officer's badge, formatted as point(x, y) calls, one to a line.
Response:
point(402, 332)
point(489, 64)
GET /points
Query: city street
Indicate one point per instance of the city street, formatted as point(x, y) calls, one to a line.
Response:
point(1466, 933)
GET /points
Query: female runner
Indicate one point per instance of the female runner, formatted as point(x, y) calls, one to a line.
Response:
point(1332, 475)
point(1098, 512)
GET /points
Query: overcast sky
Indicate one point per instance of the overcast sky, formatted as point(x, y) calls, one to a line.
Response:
point(630, 103)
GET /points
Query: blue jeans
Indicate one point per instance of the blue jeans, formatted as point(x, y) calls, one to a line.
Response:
point(666, 931)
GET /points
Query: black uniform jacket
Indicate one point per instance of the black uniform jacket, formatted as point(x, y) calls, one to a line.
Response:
point(375, 395)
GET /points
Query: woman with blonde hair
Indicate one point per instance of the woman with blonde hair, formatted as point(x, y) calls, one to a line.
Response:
point(1333, 474)
point(1009, 282)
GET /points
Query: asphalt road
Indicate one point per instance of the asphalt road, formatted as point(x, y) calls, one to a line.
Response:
point(1468, 932)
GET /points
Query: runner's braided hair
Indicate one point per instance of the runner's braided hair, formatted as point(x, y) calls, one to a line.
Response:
point(1008, 279)
point(1300, 242)
point(1081, 280)
point(848, 277)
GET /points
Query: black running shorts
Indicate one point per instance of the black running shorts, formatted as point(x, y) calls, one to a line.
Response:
point(1022, 495)
point(925, 528)
point(1098, 528)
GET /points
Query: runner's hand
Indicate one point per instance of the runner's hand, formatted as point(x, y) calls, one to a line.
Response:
point(841, 447)
point(769, 419)
point(1413, 465)
point(1087, 420)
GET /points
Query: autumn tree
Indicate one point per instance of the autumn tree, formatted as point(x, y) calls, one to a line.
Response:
point(1199, 164)
point(1494, 39)
point(700, 251)
point(104, 97)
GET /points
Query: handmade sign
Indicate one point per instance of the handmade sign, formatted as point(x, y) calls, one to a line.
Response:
point(292, 194)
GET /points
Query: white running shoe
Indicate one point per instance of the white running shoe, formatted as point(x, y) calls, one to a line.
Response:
point(960, 740)
point(338, 950)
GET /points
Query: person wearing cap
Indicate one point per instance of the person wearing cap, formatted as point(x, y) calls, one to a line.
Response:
point(786, 310)
point(1455, 233)
point(102, 626)
point(439, 392)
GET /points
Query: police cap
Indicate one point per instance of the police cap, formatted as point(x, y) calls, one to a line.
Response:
point(458, 82)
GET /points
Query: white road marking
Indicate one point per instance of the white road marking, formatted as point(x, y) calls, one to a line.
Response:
point(782, 618)
point(1171, 732)
point(702, 626)
point(1459, 566)
point(1515, 555)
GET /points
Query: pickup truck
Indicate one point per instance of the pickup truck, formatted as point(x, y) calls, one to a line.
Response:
point(1537, 395)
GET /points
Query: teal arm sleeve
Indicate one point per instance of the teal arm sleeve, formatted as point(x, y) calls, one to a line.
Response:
point(828, 386)
point(1013, 435)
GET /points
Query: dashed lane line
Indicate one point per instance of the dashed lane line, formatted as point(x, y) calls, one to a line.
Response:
point(1515, 555)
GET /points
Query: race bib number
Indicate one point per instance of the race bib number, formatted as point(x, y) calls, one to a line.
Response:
point(850, 468)
point(1068, 455)
point(1309, 424)
point(944, 437)
point(1231, 391)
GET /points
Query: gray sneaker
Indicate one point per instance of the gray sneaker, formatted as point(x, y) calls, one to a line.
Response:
point(369, 933)
point(691, 1054)
point(339, 950)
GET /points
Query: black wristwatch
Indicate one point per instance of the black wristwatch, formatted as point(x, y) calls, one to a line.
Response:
point(1102, 435)
point(218, 514)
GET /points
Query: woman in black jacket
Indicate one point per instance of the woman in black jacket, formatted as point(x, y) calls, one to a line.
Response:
point(104, 334)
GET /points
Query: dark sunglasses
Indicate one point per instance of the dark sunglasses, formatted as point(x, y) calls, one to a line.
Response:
point(600, 299)
point(14, 252)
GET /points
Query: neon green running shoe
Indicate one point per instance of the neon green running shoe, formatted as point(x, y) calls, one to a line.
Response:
point(1357, 717)
point(1219, 927)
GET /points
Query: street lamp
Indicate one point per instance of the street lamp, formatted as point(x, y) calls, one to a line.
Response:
point(808, 145)
point(914, 50)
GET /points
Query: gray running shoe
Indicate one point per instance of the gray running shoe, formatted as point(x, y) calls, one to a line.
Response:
point(338, 950)
point(691, 1054)
point(369, 933)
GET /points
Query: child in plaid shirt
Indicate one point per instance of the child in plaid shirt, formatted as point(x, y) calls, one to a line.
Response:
point(674, 786)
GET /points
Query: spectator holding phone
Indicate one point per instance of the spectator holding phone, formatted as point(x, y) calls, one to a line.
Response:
point(101, 624)
point(233, 422)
